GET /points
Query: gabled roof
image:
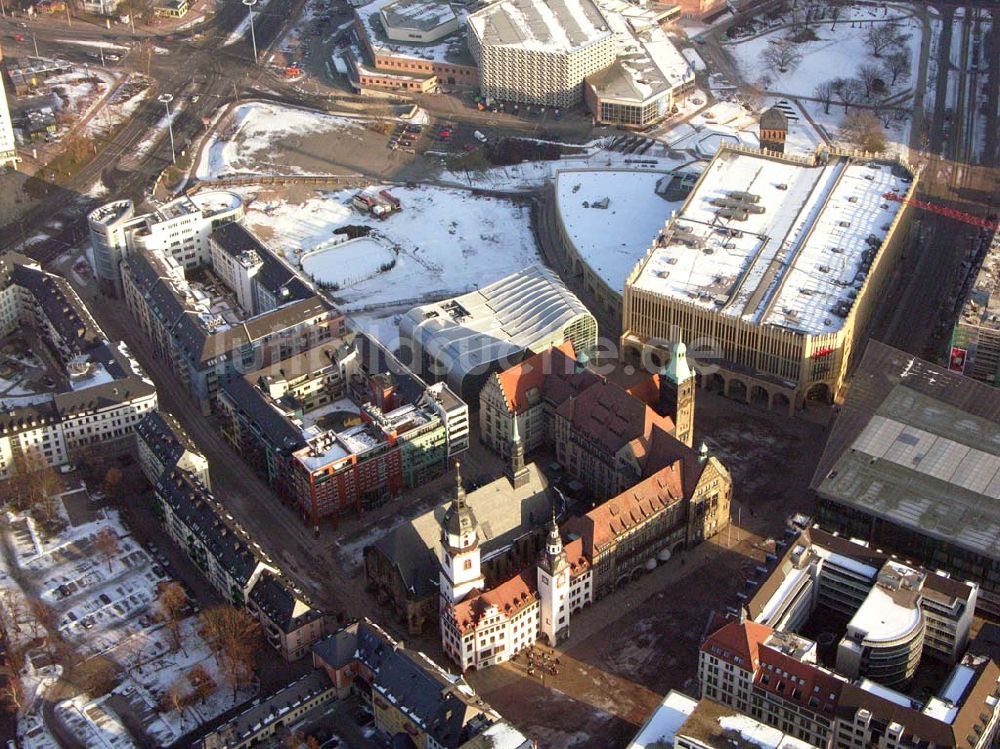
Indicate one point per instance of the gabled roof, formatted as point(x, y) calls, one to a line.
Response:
point(280, 604)
point(199, 511)
point(273, 426)
point(164, 436)
point(551, 374)
point(602, 525)
point(504, 514)
point(607, 414)
point(803, 684)
point(737, 640)
point(509, 597)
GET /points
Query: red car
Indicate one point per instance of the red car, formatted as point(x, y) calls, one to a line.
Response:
point(18, 37)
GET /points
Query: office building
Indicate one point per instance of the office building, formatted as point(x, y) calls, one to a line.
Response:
point(775, 264)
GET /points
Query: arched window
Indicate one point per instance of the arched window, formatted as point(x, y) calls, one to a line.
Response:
point(467, 565)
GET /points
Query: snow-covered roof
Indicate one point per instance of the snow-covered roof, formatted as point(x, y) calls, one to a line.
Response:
point(885, 693)
point(423, 15)
point(449, 49)
point(775, 241)
point(529, 309)
point(884, 617)
point(540, 25)
point(662, 725)
point(590, 200)
point(647, 65)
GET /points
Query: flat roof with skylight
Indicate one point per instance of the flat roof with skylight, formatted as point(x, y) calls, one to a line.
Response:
point(552, 26)
point(777, 242)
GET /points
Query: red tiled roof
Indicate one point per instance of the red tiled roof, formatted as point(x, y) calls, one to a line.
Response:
point(578, 562)
point(608, 414)
point(509, 597)
point(602, 525)
point(738, 640)
point(531, 373)
point(647, 390)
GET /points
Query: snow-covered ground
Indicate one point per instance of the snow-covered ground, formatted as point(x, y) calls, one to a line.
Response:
point(121, 105)
point(633, 209)
point(444, 242)
point(347, 263)
point(447, 241)
point(102, 605)
point(837, 53)
point(254, 129)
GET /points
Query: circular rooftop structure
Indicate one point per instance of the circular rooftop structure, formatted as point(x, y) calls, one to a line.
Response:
point(419, 21)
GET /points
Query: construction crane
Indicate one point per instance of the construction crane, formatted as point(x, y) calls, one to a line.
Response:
point(966, 218)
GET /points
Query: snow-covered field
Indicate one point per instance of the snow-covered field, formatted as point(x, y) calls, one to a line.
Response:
point(837, 53)
point(447, 241)
point(254, 129)
point(347, 263)
point(634, 210)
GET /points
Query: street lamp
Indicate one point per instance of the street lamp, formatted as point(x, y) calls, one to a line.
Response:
point(253, 36)
point(166, 99)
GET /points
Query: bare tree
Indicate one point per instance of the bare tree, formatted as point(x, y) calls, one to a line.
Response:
point(849, 91)
point(896, 67)
point(234, 637)
point(202, 683)
point(781, 54)
point(97, 676)
point(106, 544)
point(112, 481)
point(824, 92)
point(42, 619)
point(132, 651)
point(871, 78)
point(882, 36)
point(176, 698)
point(862, 130)
point(12, 694)
point(173, 603)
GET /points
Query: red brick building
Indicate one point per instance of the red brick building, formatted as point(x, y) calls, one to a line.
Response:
point(359, 468)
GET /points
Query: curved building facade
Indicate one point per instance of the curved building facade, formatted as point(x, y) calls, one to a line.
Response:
point(108, 238)
point(465, 339)
point(181, 228)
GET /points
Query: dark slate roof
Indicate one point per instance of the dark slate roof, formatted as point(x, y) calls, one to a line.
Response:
point(199, 511)
point(61, 306)
point(376, 359)
point(275, 599)
point(340, 648)
point(262, 713)
point(275, 276)
point(164, 436)
point(434, 699)
point(273, 426)
point(415, 562)
point(426, 694)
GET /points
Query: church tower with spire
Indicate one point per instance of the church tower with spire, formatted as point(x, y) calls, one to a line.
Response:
point(553, 587)
point(677, 394)
point(517, 472)
point(461, 572)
